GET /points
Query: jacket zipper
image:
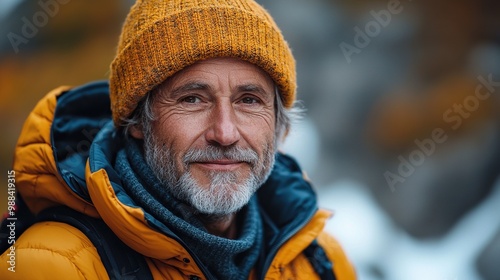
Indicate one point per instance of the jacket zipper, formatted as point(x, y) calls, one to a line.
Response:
point(202, 267)
point(274, 250)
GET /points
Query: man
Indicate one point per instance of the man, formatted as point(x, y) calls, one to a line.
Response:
point(187, 173)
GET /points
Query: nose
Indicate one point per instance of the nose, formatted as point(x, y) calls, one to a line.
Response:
point(223, 129)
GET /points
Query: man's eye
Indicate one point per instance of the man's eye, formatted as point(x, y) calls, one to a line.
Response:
point(191, 99)
point(249, 100)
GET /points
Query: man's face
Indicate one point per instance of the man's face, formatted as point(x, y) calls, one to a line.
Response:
point(212, 143)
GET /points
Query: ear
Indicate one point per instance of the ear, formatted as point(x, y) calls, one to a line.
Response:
point(136, 132)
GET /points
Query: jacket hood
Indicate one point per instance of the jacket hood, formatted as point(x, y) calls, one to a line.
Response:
point(43, 176)
point(65, 156)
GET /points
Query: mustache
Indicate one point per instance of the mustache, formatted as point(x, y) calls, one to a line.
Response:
point(211, 153)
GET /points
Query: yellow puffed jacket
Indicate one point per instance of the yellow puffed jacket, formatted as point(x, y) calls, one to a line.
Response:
point(64, 157)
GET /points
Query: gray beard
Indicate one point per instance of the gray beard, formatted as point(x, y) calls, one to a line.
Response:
point(224, 195)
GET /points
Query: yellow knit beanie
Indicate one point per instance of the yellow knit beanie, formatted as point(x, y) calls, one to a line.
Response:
point(161, 37)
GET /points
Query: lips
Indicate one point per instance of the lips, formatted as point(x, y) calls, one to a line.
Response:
point(221, 165)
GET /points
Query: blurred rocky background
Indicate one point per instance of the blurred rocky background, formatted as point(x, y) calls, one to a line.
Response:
point(402, 127)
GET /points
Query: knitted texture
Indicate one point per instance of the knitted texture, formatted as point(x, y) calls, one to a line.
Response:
point(160, 38)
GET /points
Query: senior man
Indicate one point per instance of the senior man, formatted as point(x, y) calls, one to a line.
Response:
point(183, 171)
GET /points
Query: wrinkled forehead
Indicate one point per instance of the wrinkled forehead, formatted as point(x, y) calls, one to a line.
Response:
point(235, 72)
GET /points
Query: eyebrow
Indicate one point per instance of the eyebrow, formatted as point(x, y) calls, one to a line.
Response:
point(189, 86)
point(254, 88)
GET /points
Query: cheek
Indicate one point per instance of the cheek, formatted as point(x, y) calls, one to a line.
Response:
point(263, 118)
point(178, 133)
point(180, 127)
point(259, 131)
